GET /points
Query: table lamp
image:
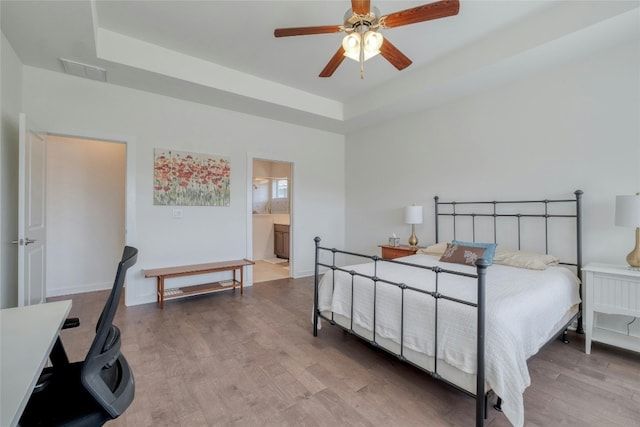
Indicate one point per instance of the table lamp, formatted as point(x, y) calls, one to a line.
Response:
point(628, 215)
point(413, 216)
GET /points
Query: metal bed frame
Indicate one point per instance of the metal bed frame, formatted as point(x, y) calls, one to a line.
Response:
point(480, 396)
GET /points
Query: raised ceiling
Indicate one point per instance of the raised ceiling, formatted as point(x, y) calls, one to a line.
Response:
point(224, 54)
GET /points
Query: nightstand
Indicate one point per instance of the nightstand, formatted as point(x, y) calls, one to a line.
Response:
point(611, 289)
point(391, 252)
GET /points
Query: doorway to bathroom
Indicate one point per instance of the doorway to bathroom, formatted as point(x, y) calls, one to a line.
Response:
point(271, 217)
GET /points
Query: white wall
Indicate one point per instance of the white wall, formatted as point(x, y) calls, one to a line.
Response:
point(85, 213)
point(11, 104)
point(72, 106)
point(574, 127)
point(571, 128)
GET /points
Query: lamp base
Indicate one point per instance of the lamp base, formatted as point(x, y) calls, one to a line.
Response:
point(413, 240)
point(634, 256)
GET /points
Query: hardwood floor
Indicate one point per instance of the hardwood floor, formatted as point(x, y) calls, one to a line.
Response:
point(252, 360)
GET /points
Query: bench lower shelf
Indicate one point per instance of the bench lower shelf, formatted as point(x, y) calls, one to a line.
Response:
point(205, 288)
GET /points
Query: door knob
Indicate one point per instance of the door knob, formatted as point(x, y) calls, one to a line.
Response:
point(25, 242)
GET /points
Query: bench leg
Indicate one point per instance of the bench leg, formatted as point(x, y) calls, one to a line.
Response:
point(161, 291)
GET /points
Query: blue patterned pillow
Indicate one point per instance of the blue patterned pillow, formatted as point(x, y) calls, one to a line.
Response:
point(488, 254)
point(465, 255)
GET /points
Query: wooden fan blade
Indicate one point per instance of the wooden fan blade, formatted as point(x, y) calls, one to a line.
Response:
point(426, 12)
point(393, 55)
point(333, 63)
point(303, 31)
point(361, 7)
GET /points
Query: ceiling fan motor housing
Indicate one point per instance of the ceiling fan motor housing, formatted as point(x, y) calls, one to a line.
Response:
point(353, 21)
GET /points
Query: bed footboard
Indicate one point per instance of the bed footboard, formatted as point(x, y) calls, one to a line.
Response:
point(480, 276)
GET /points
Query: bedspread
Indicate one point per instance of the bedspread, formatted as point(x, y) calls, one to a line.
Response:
point(523, 309)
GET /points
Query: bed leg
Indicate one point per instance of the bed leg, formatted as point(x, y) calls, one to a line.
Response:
point(564, 337)
point(315, 325)
point(498, 405)
point(486, 403)
point(315, 288)
point(580, 328)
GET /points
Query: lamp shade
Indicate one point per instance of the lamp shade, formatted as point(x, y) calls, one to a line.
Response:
point(628, 211)
point(413, 214)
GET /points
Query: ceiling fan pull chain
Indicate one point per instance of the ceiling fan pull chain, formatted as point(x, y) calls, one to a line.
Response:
point(361, 31)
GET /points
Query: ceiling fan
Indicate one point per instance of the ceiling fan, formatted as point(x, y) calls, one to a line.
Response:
point(363, 41)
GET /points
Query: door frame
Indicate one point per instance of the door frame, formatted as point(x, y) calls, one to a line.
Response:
point(249, 211)
point(130, 231)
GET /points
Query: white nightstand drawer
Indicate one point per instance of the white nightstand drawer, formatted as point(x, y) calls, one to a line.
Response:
point(616, 294)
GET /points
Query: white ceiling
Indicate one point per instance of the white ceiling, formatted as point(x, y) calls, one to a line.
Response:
point(224, 54)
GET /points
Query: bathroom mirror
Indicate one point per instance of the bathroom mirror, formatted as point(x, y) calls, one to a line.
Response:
point(270, 195)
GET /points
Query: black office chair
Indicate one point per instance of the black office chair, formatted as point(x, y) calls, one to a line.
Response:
point(90, 392)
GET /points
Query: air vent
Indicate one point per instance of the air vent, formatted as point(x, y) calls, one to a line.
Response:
point(84, 70)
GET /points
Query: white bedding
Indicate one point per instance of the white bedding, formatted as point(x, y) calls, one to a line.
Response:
point(523, 310)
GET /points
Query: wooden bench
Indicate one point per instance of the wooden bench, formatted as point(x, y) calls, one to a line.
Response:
point(191, 270)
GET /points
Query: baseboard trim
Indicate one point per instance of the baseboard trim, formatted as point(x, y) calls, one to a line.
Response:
point(79, 289)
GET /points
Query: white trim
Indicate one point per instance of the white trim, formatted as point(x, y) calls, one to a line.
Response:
point(92, 287)
point(249, 211)
point(249, 216)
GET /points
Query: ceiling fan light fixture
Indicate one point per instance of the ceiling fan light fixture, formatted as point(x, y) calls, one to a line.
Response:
point(370, 42)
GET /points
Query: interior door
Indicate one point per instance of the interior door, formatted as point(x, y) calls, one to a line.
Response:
point(31, 213)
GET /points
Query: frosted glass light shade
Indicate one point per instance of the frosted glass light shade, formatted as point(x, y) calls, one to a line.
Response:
point(628, 211)
point(372, 41)
point(351, 43)
point(413, 214)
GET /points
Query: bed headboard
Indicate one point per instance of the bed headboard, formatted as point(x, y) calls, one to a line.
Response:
point(549, 226)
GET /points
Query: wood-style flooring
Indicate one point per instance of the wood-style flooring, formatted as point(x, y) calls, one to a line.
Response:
point(230, 360)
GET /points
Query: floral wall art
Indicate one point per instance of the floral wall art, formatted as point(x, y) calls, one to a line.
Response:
point(190, 179)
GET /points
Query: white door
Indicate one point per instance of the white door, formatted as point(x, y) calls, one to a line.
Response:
point(31, 212)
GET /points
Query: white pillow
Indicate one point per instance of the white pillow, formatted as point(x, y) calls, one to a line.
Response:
point(521, 259)
point(437, 249)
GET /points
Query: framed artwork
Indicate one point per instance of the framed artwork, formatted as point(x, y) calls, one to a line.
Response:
point(190, 179)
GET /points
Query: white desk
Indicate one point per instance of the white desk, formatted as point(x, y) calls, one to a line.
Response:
point(27, 335)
